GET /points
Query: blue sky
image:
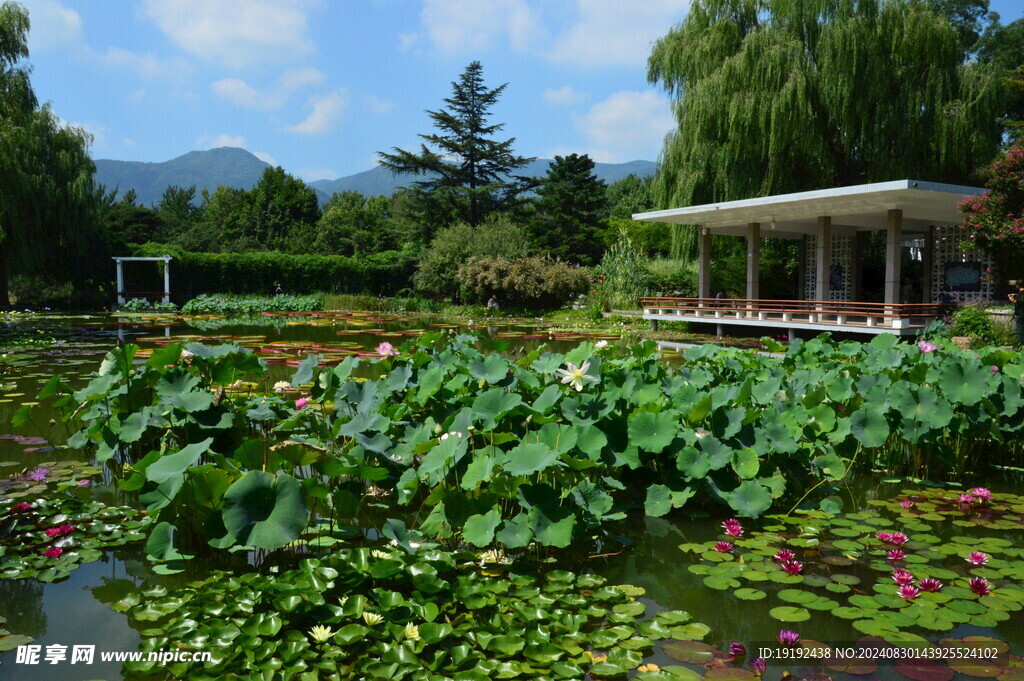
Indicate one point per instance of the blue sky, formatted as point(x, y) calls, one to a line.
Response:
point(319, 86)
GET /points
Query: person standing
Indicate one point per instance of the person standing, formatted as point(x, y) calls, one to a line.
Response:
point(1017, 298)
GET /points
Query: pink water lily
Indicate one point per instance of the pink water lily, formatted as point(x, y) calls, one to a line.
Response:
point(53, 552)
point(737, 648)
point(896, 554)
point(784, 555)
point(898, 538)
point(902, 577)
point(976, 558)
point(788, 638)
point(982, 493)
point(732, 527)
point(884, 536)
point(23, 506)
point(926, 347)
point(907, 503)
point(930, 584)
point(386, 349)
point(722, 547)
point(793, 567)
point(966, 498)
point(980, 586)
point(909, 592)
point(39, 474)
point(758, 665)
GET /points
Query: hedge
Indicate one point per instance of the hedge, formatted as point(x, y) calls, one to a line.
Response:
point(193, 274)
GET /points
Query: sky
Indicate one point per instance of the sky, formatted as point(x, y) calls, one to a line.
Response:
point(321, 86)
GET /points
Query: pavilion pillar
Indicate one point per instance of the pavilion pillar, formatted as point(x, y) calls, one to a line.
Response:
point(823, 258)
point(860, 241)
point(753, 263)
point(704, 264)
point(928, 265)
point(167, 279)
point(893, 257)
point(120, 282)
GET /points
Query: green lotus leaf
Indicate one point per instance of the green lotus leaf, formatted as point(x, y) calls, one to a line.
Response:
point(264, 510)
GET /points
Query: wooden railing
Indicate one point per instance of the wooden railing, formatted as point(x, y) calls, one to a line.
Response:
point(809, 311)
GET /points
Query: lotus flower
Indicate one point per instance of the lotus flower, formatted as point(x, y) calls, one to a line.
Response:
point(321, 634)
point(983, 493)
point(733, 528)
point(976, 558)
point(723, 547)
point(898, 538)
point(281, 386)
point(907, 503)
point(909, 592)
point(758, 666)
point(737, 649)
point(966, 498)
point(784, 555)
point(926, 347)
point(995, 370)
point(793, 567)
point(902, 577)
point(386, 349)
point(930, 584)
point(896, 554)
point(53, 552)
point(576, 376)
point(980, 586)
point(601, 344)
point(788, 638)
point(411, 632)
point(372, 618)
point(301, 403)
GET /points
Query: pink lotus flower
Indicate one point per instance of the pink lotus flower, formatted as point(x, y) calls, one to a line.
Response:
point(386, 349)
point(896, 554)
point(732, 527)
point(976, 558)
point(907, 503)
point(788, 638)
point(784, 555)
point(995, 370)
point(909, 592)
point(980, 586)
point(53, 552)
point(723, 547)
point(884, 536)
point(966, 498)
point(982, 493)
point(902, 577)
point(898, 538)
point(737, 648)
point(926, 347)
point(793, 567)
point(930, 584)
point(758, 666)
point(301, 403)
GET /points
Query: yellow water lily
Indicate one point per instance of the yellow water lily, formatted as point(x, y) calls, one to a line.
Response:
point(321, 634)
point(576, 376)
point(412, 632)
point(372, 618)
point(377, 553)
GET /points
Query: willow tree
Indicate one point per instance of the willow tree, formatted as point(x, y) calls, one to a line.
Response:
point(775, 96)
point(47, 196)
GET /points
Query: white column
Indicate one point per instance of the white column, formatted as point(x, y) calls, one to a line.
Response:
point(823, 258)
point(753, 262)
point(704, 264)
point(120, 282)
point(893, 257)
point(167, 279)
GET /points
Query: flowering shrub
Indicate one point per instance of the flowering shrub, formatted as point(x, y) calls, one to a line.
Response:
point(531, 282)
point(995, 219)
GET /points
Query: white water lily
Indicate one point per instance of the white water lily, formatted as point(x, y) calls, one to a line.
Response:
point(576, 376)
point(601, 344)
point(412, 632)
point(342, 601)
point(321, 634)
point(372, 618)
point(377, 553)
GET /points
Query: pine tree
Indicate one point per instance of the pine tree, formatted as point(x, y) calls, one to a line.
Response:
point(571, 210)
point(467, 173)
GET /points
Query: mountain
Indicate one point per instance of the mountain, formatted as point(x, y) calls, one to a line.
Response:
point(380, 180)
point(238, 168)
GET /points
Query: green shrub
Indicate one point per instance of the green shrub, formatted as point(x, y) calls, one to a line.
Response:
point(669, 277)
point(625, 273)
point(138, 305)
point(35, 291)
point(975, 323)
point(532, 283)
point(224, 304)
point(164, 307)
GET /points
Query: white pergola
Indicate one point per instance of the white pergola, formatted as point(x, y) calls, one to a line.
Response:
point(165, 259)
point(899, 208)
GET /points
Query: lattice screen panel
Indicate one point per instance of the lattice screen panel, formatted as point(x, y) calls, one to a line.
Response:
point(953, 249)
point(842, 255)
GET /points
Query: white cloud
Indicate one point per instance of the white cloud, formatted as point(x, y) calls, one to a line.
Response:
point(128, 142)
point(378, 105)
point(467, 26)
point(235, 33)
point(221, 140)
point(564, 96)
point(296, 79)
point(612, 32)
point(145, 65)
point(266, 158)
point(327, 109)
point(626, 126)
point(54, 26)
point(314, 174)
point(240, 93)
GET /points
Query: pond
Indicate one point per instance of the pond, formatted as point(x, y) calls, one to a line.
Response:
point(674, 560)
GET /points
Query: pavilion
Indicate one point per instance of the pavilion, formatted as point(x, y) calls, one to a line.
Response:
point(833, 225)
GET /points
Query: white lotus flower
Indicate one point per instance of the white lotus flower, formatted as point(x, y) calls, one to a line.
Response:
point(576, 376)
point(281, 386)
point(601, 344)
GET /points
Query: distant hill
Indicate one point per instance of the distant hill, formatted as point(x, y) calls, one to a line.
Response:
point(234, 167)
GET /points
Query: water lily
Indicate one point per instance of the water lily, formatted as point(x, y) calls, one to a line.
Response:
point(576, 376)
point(907, 503)
point(281, 386)
point(966, 498)
point(84, 482)
point(321, 634)
point(926, 347)
point(23, 506)
point(784, 555)
point(983, 493)
point(343, 600)
point(386, 349)
point(898, 538)
point(377, 553)
point(788, 638)
point(884, 537)
point(52, 531)
point(902, 577)
point(411, 632)
point(723, 547)
point(732, 527)
point(930, 584)
point(793, 567)
point(758, 665)
point(980, 586)
point(601, 344)
point(301, 403)
point(53, 552)
point(372, 618)
point(896, 554)
point(909, 592)
point(39, 474)
point(737, 648)
point(976, 558)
